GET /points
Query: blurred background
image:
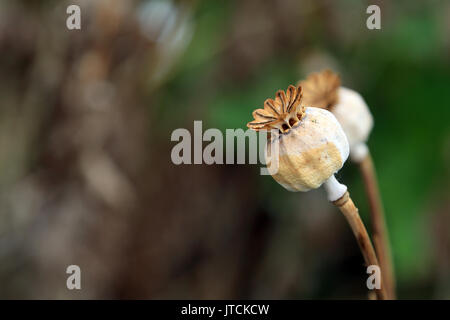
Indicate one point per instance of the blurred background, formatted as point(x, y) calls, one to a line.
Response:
point(86, 176)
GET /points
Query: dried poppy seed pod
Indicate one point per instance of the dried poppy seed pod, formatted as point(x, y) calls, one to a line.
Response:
point(355, 118)
point(311, 144)
point(323, 90)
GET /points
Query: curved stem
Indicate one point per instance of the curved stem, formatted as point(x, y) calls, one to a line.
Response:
point(379, 231)
point(347, 207)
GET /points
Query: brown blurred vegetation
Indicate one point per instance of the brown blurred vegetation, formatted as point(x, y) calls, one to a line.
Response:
point(85, 170)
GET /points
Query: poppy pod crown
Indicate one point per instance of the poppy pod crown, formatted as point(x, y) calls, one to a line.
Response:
point(321, 89)
point(281, 113)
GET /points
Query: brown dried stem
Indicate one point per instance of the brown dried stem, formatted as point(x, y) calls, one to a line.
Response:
point(379, 231)
point(347, 207)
